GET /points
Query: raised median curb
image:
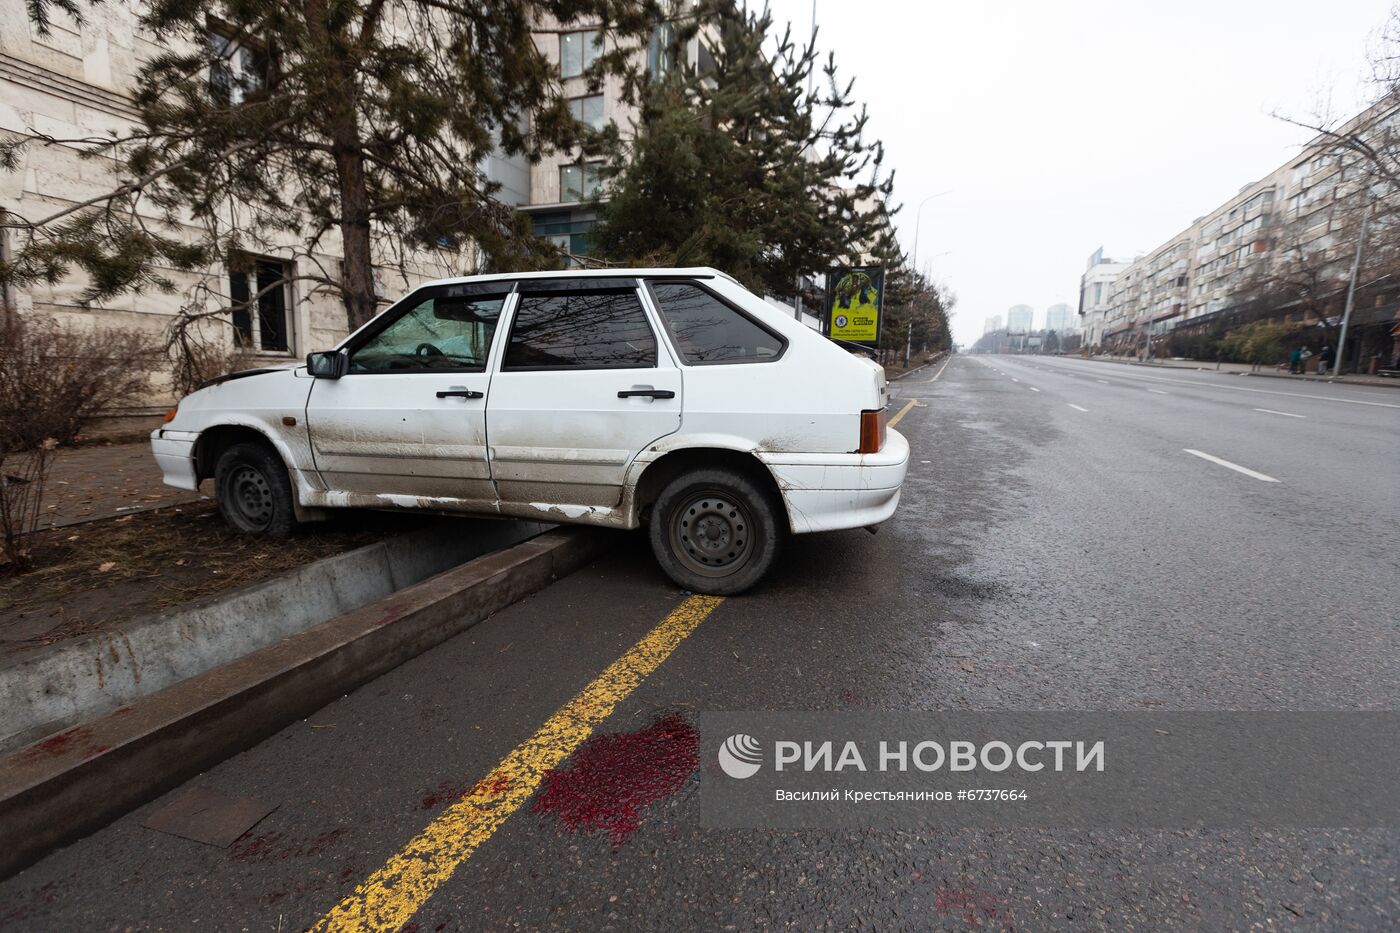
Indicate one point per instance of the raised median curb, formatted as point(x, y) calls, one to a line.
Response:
point(57, 790)
point(45, 690)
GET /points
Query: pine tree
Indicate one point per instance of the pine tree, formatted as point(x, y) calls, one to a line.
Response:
point(736, 165)
point(286, 123)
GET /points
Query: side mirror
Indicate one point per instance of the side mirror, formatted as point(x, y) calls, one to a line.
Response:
point(329, 364)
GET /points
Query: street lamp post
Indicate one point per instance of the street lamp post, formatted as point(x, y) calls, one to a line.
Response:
point(918, 216)
point(914, 264)
point(1351, 293)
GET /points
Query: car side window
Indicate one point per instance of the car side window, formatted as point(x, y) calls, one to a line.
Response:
point(603, 329)
point(707, 330)
point(439, 333)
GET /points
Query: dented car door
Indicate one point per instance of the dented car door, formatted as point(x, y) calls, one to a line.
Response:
point(583, 385)
point(406, 424)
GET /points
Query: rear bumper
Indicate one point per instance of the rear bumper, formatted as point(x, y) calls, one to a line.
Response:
point(174, 452)
point(826, 492)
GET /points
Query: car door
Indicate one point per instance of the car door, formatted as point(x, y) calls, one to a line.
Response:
point(583, 385)
point(407, 421)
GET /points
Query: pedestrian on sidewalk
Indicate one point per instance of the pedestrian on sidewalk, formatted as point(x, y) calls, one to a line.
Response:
point(1324, 360)
point(1295, 359)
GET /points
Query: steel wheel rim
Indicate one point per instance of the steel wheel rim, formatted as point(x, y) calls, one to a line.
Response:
point(712, 534)
point(250, 494)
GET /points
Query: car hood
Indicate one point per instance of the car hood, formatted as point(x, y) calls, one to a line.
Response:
point(242, 374)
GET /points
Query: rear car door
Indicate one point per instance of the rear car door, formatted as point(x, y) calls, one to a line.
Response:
point(583, 386)
point(408, 419)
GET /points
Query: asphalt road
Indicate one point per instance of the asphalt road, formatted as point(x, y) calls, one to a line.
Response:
point(1058, 547)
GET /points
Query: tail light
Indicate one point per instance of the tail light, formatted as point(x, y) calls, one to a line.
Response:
point(170, 415)
point(872, 431)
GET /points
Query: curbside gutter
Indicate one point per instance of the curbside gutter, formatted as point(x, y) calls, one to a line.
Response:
point(47, 689)
point(68, 785)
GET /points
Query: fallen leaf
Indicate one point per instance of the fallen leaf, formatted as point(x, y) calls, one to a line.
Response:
point(106, 566)
point(967, 666)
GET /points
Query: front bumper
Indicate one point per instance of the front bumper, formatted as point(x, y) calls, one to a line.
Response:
point(174, 452)
point(827, 492)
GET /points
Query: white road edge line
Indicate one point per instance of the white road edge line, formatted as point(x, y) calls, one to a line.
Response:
point(1262, 477)
point(1075, 407)
point(1286, 414)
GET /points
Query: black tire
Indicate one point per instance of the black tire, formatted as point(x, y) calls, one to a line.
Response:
point(715, 531)
point(254, 491)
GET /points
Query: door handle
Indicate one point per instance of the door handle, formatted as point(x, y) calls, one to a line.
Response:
point(646, 393)
point(460, 393)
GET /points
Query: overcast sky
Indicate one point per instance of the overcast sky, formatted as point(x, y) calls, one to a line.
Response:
point(1062, 126)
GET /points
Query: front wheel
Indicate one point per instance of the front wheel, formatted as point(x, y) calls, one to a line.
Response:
point(253, 490)
point(715, 531)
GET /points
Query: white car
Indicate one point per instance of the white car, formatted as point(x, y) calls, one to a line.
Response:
point(672, 398)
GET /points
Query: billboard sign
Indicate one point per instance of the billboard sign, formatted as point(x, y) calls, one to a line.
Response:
point(855, 303)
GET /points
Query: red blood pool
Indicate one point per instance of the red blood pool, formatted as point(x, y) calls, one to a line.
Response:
point(611, 779)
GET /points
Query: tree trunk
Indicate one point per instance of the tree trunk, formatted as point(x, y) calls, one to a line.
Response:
point(340, 92)
point(357, 279)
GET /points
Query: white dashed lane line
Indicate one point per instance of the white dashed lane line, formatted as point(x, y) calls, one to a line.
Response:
point(1286, 414)
point(1254, 474)
point(1076, 407)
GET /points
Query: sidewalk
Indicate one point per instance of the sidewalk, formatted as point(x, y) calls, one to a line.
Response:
point(1244, 369)
point(101, 481)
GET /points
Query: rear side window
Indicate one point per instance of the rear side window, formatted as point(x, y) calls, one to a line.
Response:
point(581, 330)
point(707, 330)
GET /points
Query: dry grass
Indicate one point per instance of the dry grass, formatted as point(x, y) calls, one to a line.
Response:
point(91, 576)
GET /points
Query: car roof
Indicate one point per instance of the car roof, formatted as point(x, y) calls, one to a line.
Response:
point(614, 272)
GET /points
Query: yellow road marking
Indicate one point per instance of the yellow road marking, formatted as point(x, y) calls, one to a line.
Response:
point(902, 412)
point(941, 368)
point(392, 895)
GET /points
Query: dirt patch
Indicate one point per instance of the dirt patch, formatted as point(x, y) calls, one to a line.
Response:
point(93, 576)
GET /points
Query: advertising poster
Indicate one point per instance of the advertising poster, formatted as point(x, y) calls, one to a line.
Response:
point(855, 303)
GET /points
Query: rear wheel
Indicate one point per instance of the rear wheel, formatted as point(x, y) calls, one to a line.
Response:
point(715, 531)
point(254, 491)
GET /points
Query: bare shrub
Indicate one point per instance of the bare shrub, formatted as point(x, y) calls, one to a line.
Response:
point(198, 358)
point(52, 377)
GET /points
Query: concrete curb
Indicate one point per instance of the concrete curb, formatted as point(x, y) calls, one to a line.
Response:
point(68, 785)
point(48, 689)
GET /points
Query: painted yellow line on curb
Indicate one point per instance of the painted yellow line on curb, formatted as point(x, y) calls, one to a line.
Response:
point(902, 412)
point(392, 895)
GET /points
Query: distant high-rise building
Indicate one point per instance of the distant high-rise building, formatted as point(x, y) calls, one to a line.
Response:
point(1060, 319)
point(992, 324)
point(1019, 319)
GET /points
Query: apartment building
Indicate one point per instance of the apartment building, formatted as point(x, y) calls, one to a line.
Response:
point(1199, 276)
point(1060, 319)
point(991, 325)
point(1095, 291)
point(562, 185)
point(1019, 319)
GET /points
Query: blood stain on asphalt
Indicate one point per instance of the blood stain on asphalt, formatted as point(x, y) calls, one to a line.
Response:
point(612, 778)
point(451, 791)
point(277, 847)
point(974, 906)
